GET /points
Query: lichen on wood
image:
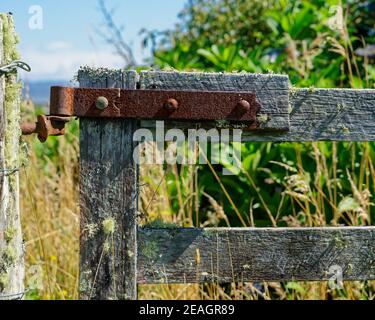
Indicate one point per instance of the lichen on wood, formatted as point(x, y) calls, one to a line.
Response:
point(11, 248)
point(108, 202)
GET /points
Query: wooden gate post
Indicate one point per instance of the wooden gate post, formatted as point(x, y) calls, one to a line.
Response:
point(11, 248)
point(108, 188)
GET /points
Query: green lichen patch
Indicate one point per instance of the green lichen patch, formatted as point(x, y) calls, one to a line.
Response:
point(263, 118)
point(292, 90)
point(9, 234)
point(10, 39)
point(24, 154)
point(10, 249)
point(91, 229)
point(339, 242)
point(12, 111)
point(7, 261)
point(349, 268)
point(4, 280)
point(106, 247)
point(150, 250)
point(222, 124)
point(340, 107)
point(109, 226)
point(9, 256)
point(97, 74)
point(345, 129)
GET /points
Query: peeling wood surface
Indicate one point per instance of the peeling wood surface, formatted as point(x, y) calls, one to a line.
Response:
point(11, 241)
point(255, 254)
point(315, 114)
point(108, 188)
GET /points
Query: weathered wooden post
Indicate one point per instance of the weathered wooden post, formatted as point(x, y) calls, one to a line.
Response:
point(109, 178)
point(11, 247)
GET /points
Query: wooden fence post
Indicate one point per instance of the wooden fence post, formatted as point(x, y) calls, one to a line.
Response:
point(11, 247)
point(108, 187)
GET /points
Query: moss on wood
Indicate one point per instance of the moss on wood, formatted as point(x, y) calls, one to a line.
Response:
point(11, 248)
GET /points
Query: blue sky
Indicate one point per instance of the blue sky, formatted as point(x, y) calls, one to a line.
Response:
point(68, 38)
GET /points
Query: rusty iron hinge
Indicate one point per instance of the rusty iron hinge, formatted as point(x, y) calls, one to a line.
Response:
point(195, 106)
point(45, 126)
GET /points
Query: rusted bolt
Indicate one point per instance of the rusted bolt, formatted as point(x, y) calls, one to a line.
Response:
point(28, 128)
point(101, 103)
point(243, 105)
point(45, 126)
point(171, 104)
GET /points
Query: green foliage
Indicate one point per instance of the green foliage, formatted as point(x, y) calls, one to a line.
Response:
point(301, 38)
point(305, 40)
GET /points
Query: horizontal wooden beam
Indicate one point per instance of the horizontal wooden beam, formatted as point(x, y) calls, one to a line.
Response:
point(327, 114)
point(255, 254)
point(311, 114)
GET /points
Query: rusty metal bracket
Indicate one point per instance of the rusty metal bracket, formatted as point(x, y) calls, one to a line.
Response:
point(156, 104)
point(45, 126)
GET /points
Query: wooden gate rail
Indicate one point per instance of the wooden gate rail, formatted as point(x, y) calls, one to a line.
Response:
point(115, 255)
point(314, 114)
point(226, 255)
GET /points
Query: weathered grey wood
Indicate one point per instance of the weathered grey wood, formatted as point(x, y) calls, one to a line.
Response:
point(329, 114)
point(255, 254)
point(315, 114)
point(271, 90)
point(11, 244)
point(108, 188)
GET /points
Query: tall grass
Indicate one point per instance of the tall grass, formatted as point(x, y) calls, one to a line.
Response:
point(50, 217)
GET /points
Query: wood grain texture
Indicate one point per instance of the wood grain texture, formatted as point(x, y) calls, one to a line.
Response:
point(11, 242)
point(328, 114)
point(315, 114)
point(271, 90)
point(108, 188)
point(256, 254)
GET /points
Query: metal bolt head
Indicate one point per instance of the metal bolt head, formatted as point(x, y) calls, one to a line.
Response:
point(243, 105)
point(101, 103)
point(171, 104)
